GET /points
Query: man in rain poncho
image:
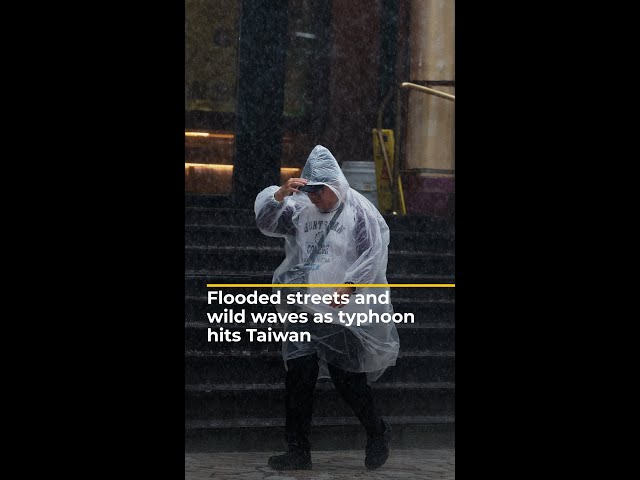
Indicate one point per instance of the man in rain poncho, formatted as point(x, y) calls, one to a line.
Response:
point(332, 235)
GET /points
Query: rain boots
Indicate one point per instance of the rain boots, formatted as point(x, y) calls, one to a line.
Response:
point(377, 450)
point(297, 457)
point(300, 382)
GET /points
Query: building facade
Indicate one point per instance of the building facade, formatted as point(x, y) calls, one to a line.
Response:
point(265, 81)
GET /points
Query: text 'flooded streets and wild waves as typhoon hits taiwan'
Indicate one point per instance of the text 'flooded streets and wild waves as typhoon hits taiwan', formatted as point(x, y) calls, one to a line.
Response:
point(231, 316)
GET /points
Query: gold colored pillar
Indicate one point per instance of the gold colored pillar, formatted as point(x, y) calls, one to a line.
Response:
point(430, 125)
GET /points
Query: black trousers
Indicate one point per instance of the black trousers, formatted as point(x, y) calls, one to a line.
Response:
point(302, 375)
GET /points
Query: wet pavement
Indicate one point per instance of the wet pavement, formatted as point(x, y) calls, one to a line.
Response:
point(327, 465)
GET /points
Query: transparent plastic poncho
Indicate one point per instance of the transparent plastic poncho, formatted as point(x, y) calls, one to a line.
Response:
point(355, 250)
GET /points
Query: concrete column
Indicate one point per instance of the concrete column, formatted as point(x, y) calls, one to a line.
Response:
point(353, 81)
point(259, 113)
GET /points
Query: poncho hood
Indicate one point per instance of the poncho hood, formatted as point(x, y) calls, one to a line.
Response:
point(321, 168)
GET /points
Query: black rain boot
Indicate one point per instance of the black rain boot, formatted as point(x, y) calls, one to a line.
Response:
point(356, 391)
point(377, 450)
point(298, 457)
point(300, 382)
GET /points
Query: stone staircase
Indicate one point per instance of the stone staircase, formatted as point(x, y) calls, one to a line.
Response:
point(234, 392)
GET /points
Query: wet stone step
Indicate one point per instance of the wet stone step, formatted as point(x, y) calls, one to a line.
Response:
point(228, 235)
point(205, 367)
point(266, 258)
point(210, 200)
point(421, 241)
point(268, 400)
point(419, 223)
point(218, 216)
point(234, 235)
point(414, 338)
point(201, 215)
point(425, 311)
point(327, 433)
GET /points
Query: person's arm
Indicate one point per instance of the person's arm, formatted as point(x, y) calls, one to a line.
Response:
point(274, 209)
point(342, 291)
point(371, 247)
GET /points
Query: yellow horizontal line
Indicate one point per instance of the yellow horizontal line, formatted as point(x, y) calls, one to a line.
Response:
point(218, 166)
point(335, 285)
point(208, 134)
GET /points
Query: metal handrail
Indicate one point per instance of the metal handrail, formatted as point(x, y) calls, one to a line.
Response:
point(420, 88)
point(394, 176)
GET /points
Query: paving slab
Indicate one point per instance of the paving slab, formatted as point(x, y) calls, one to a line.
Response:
point(410, 464)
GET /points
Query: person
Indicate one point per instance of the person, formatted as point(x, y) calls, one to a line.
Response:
point(333, 235)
